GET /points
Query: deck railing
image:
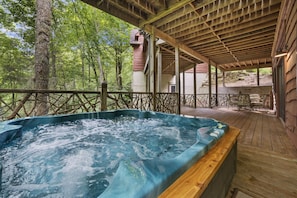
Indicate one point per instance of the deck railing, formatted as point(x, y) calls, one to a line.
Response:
point(22, 103)
point(252, 101)
point(167, 102)
point(16, 103)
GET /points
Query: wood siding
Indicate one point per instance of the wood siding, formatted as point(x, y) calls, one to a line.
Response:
point(290, 71)
point(286, 39)
point(138, 51)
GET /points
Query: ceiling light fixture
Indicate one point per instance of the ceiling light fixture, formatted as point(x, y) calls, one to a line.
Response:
point(281, 54)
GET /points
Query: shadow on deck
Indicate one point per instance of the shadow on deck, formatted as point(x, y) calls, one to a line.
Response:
point(267, 159)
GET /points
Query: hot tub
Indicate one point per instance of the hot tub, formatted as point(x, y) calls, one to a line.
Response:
point(141, 167)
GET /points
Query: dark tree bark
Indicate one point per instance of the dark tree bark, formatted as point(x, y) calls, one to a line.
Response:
point(42, 39)
point(119, 66)
point(53, 78)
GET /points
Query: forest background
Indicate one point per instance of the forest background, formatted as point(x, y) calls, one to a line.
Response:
point(87, 47)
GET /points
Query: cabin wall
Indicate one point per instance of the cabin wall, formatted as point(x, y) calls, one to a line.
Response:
point(189, 82)
point(290, 72)
point(246, 90)
point(138, 53)
point(138, 81)
point(287, 39)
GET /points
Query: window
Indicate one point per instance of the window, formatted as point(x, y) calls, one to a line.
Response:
point(172, 88)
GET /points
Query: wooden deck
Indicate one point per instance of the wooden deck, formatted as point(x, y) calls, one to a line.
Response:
point(267, 160)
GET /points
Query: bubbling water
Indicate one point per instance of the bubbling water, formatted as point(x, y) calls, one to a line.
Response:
point(79, 158)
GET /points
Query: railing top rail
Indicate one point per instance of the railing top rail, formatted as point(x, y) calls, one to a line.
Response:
point(166, 93)
point(120, 92)
point(45, 91)
point(70, 91)
point(139, 92)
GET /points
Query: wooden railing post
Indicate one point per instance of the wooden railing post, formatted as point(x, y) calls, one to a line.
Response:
point(209, 85)
point(103, 96)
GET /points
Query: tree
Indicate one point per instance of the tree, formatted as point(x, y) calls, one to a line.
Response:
point(86, 46)
point(18, 17)
point(15, 63)
point(103, 42)
point(115, 34)
point(42, 39)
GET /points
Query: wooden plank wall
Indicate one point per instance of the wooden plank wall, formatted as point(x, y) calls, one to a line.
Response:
point(290, 68)
point(138, 52)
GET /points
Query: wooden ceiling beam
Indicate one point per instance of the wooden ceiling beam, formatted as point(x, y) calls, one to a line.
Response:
point(204, 36)
point(262, 32)
point(251, 42)
point(242, 12)
point(223, 9)
point(112, 8)
point(253, 25)
point(216, 31)
point(209, 42)
point(252, 61)
point(259, 52)
point(178, 24)
point(243, 52)
point(218, 37)
point(246, 19)
point(172, 53)
point(173, 42)
point(172, 7)
point(226, 47)
point(240, 51)
point(243, 67)
point(247, 29)
point(159, 4)
point(200, 31)
point(180, 14)
point(231, 15)
point(188, 12)
point(144, 6)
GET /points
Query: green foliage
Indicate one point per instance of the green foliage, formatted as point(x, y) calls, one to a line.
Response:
point(15, 63)
point(266, 71)
point(81, 36)
point(18, 17)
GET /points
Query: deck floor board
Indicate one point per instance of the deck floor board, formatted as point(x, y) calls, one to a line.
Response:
point(267, 159)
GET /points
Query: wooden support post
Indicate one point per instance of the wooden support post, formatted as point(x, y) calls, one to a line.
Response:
point(184, 89)
point(153, 67)
point(195, 87)
point(209, 85)
point(258, 76)
point(217, 87)
point(177, 78)
point(224, 85)
point(159, 70)
point(103, 96)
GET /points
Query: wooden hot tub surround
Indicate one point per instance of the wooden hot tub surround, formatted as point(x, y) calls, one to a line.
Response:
point(212, 175)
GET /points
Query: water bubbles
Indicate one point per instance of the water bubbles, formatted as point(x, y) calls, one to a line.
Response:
point(79, 158)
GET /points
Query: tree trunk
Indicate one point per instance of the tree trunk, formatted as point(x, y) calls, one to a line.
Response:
point(82, 66)
point(102, 78)
point(54, 82)
point(42, 39)
point(119, 70)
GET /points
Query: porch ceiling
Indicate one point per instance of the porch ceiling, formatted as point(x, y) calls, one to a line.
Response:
point(230, 34)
